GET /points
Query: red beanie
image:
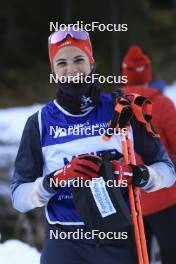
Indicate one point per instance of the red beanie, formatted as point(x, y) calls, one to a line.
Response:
point(137, 67)
point(84, 45)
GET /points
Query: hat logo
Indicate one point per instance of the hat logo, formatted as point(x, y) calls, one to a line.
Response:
point(140, 69)
point(65, 43)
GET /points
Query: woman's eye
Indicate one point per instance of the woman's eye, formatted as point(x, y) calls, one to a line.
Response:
point(79, 60)
point(61, 63)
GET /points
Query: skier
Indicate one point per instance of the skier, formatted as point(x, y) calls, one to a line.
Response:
point(49, 151)
point(159, 208)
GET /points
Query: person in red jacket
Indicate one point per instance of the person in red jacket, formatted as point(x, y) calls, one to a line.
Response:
point(159, 208)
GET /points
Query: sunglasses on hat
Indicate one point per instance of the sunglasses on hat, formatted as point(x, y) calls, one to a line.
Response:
point(60, 35)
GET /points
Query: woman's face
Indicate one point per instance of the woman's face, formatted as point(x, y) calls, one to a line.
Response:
point(69, 61)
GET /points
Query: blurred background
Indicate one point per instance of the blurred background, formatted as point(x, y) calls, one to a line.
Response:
point(24, 72)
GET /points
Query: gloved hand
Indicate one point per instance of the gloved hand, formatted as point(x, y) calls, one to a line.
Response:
point(133, 174)
point(84, 167)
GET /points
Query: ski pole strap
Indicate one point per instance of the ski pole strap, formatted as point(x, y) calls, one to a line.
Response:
point(123, 114)
point(142, 109)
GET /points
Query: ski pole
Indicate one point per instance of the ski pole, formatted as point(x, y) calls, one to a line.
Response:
point(122, 116)
point(135, 204)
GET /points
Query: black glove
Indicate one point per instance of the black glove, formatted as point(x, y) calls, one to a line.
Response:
point(140, 175)
point(133, 174)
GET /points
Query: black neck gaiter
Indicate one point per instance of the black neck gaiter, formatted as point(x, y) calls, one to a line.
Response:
point(78, 98)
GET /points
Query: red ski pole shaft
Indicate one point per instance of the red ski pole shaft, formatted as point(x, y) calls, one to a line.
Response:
point(137, 202)
point(133, 208)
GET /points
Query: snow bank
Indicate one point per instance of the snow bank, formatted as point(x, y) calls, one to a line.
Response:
point(12, 121)
point(17, 252)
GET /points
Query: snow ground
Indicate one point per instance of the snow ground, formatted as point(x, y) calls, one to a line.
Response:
point(17, 252)
point(12, 121)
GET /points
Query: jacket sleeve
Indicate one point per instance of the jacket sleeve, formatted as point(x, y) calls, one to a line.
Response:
point(154, 156)
point(168, 123)
point(27, 187)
